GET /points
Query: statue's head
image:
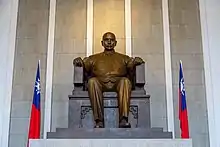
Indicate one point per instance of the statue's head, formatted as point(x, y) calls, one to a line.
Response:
point(109, 41)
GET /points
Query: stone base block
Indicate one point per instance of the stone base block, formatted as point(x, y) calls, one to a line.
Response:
point(111, 143)
point(109, 133)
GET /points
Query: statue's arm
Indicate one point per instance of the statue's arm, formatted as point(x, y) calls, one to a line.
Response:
point(130, 63)
point(133, 62)
point(87, 63)
point(136, 71)
point(138, 61)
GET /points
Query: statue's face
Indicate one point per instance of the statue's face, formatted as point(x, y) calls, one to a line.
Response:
point(109, 41)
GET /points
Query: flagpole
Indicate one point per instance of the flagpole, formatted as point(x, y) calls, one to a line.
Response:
point(181, 63)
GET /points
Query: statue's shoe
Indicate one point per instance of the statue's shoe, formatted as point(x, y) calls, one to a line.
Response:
point(125, 125)
point(99, 125)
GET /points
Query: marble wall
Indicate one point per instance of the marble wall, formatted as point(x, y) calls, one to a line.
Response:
point(186, 45)
point(109, 15)
point(147, 42)
point(31, 46)
point(70, 42)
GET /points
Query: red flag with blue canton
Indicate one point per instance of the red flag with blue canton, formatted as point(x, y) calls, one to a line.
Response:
point(35, 118)
point(183, 116)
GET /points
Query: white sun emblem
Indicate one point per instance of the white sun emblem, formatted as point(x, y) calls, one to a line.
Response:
point(182, 86)
point(37, 85)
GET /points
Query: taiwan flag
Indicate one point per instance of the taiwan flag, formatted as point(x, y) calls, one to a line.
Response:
point(183, 116)
point(35, 118)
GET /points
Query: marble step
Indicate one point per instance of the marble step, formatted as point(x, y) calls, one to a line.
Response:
point(109, 133)
point(149, 129)
point(110, 143)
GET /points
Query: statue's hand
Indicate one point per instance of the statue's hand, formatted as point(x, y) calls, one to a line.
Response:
point(78, 62)
point(138, 61)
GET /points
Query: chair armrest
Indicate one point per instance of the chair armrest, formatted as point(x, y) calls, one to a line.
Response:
point(78, 78)
point(140, 76)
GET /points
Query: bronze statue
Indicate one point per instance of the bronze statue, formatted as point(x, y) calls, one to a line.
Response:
point(109, 71)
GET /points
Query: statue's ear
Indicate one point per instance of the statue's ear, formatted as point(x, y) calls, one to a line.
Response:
point(115, 42)
point(102, 43)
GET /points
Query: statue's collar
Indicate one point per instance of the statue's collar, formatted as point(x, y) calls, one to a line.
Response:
point(107, 52)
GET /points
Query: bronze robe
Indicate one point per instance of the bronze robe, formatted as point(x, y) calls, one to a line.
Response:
point(109, 71)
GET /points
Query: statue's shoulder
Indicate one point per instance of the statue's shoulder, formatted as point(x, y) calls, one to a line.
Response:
point(95, 55)
point(122, 55)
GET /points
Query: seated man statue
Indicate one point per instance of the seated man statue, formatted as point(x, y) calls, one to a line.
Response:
point(109, 71)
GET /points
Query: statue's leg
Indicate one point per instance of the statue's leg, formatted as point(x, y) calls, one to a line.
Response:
point(124, 92)
point(96, 100)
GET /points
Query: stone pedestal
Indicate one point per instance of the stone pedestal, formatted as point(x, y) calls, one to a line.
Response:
point(109, 133)
point(80, 112)
point(81, 123)
point(81, 119)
